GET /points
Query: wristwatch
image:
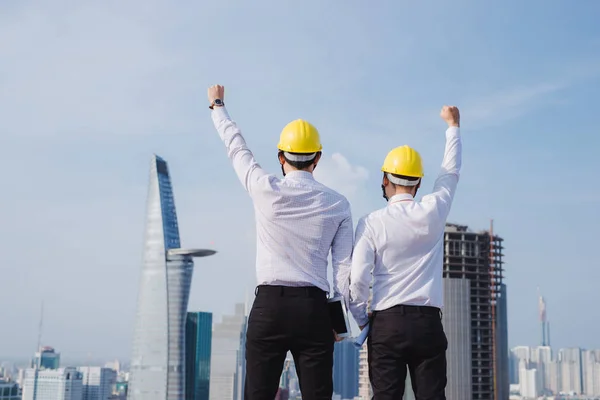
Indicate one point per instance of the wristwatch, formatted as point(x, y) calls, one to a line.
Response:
point(216, 103)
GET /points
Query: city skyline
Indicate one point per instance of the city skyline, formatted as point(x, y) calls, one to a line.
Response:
point(81, 113)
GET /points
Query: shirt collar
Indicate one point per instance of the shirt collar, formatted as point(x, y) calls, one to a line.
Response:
point(401, 197)
point(299, 175)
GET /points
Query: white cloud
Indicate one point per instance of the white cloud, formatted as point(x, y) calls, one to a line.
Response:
point(337, 173)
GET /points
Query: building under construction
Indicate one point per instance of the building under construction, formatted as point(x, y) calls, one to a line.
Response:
point(475, 315)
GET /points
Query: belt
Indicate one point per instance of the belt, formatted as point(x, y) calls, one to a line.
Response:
point(408, 309)
point(290, 291)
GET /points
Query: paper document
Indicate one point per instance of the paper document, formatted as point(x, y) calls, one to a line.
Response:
point(360, 339)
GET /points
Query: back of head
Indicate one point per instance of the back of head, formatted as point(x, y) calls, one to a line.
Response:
point(299, 145)
point(402, 171)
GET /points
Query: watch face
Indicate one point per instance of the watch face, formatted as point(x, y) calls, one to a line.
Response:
point(218, 102)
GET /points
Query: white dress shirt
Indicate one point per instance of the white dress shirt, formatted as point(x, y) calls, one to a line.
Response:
point(403, 245)
point(298, 220)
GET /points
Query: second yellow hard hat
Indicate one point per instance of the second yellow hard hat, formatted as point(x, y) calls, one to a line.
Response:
point(300, 136)
point(404, 161)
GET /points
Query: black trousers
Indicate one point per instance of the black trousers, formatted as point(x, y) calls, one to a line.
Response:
point(292, 319)
point(413, 337)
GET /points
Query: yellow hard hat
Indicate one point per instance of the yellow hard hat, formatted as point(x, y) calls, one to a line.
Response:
point(300, 136)
point(403, 161)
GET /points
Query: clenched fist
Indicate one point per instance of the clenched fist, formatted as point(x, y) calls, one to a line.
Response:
point(216, 92)
point(451, 115)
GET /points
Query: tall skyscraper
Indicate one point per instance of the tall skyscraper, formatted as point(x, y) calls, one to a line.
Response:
point(225, 354)
point(345, 369)
point(46, 358)
point(53, 384)
point(475, 298)
point(97, 382)
point(158, 363)
point(198, 342)
point(544, 324)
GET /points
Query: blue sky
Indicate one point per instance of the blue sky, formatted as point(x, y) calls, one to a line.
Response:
point(89, 90)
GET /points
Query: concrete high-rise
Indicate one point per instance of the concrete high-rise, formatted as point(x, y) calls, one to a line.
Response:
point(345, 369)
point(53, 384)
point(158, 363)
point(198, 342)
point(475, 315)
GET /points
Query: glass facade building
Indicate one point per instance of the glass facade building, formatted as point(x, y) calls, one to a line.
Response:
point(46, 358)
point(198, 342)
point(9, 391)
point(345, 369)
point(158, 358)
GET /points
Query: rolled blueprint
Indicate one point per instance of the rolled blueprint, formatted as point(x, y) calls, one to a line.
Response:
point(360, 339)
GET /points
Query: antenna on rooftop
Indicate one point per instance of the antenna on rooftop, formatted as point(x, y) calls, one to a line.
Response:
point(39, 341)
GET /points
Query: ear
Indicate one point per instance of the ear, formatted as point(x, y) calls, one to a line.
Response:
point(386, 181)
point(281, 158)
point(317, 158)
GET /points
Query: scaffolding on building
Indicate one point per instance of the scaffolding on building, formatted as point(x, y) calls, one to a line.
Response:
point(477, 256)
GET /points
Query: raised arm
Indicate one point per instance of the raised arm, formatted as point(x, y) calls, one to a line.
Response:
point(341, 256)
point(246, 167)
point(363, 261)
point(447, 180)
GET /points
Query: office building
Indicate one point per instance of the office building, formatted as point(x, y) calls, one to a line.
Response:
point(9, 390)
point(475, 297)
point(158, 362)
point(53, 384)
point(198, 342)
point(98, 382)
point(225, 355)
point(46, 358)
point(345, 369)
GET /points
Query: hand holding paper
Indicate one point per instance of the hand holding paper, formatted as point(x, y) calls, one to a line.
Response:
point(360, 339)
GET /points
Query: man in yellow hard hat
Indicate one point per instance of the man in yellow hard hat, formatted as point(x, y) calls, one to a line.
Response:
point(402, 246)
point(298, 222)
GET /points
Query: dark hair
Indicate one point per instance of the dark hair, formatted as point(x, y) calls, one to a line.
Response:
point(408, 178)
point(299, 164)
